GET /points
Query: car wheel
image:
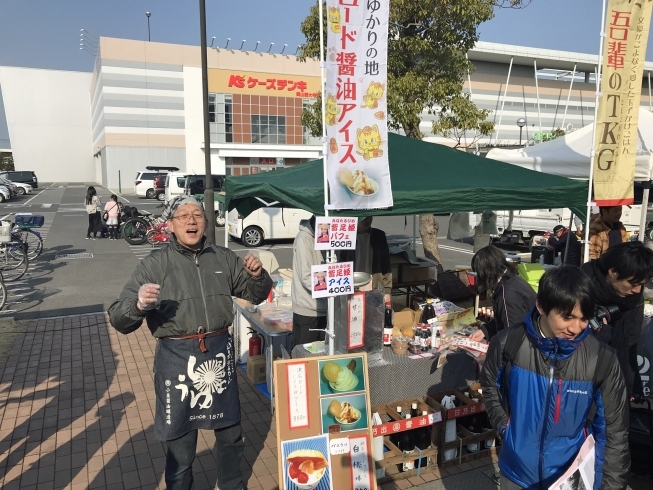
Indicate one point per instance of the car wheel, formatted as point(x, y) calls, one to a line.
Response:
point(161, 196)
point(2, 198)
point(21, 191)
point(220, 219)
point(649, 233)
point(150, 194)
point(253, 237)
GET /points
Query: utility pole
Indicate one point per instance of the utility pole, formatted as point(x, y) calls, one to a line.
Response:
point(209, 204)
point(148, 25)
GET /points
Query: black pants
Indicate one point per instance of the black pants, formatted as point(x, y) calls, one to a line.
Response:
point(94, 224)
point(301, 326)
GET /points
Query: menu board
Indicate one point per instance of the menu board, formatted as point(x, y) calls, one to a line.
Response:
point(324, 426)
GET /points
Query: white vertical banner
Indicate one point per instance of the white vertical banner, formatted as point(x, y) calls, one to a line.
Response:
point(356, 104)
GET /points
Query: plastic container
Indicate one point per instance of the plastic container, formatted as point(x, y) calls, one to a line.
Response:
point(400, 345)
point(24, 220)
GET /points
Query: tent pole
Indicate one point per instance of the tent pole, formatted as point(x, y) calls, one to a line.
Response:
point(649, 92)
point(331, 255)
point(586, 254)
point(642, 218)
point(571, 222)
point(414, 233)
point(537, 93)
point(505, 93)
point(573, 75)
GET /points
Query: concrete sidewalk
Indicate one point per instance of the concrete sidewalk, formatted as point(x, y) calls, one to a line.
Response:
point(77, 411)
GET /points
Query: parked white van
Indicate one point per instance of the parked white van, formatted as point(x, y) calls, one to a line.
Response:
point(265, 224)
point(175, 185)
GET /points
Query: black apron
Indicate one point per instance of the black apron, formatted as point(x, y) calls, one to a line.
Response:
point(195, 389)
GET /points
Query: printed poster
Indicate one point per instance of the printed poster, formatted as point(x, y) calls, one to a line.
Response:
point(332, 279)
point(624, 51)
point(356, 104)
point(335, 233)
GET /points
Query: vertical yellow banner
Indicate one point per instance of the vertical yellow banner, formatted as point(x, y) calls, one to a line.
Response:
point(624, 51)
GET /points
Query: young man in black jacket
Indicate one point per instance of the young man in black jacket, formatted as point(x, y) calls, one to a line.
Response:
point(570, 254)
point(619, 276)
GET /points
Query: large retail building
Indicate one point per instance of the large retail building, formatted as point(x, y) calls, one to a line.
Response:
point(142, 106)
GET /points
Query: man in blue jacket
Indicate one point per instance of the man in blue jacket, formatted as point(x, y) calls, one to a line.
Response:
point(545, 378)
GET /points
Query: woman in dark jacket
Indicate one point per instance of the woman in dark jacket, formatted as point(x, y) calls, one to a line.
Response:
point(512, 297)
point(93, 207)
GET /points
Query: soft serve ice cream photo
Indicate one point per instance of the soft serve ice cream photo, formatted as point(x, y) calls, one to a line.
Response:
point(341, 376)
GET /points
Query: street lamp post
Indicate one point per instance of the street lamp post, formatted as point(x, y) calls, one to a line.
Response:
point(521, 122)
point(148, 24)
point(209, 205)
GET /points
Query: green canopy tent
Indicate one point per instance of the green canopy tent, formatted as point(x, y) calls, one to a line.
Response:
point(426, 178)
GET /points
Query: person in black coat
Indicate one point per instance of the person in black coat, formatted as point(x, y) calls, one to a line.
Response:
point(512, 297)
point(619, 276)
point(558, 242)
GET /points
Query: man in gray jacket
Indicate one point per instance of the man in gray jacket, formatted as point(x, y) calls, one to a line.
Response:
point(184, 291)
point(308, 313)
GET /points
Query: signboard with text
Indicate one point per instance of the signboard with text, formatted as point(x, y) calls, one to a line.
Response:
point(260, 83)
point(624, 51)
point(356, 113)
point(332, 279)
point(335, 233)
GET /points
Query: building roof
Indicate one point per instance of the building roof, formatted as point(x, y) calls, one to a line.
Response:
point(546, 58)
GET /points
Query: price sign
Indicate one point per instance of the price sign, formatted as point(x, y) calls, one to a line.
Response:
point(360, 464)
point(332, 279)
point(335, 233)
point(297, 396)
point(339, 446)
point(356, 321)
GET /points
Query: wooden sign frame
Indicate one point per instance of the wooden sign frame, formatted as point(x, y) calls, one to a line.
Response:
point(319, 395)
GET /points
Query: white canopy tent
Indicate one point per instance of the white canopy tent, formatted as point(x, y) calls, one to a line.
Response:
point(569, 156)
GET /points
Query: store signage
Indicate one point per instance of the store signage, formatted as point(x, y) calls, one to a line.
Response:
point(298, 416)
point(361, 471)
point(259, 83)
point(356, 321)
point(406, 424)
point(332, 279)
point(624, 50)
point(356, 104)
point(335, 233)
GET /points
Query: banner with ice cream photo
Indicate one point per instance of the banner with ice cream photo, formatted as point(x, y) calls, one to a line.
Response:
point(355, 104)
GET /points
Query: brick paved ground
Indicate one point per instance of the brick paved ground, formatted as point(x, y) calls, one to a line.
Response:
point(77, 411)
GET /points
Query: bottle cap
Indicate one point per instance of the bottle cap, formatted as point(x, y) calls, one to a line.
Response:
point(424, 413)
point(398, 409)
point(429, 300)
point(387, 303)
point(407, 415)
point(414, 405)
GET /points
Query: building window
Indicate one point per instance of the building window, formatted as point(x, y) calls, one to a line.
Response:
point(221, 118)
point(269, 130)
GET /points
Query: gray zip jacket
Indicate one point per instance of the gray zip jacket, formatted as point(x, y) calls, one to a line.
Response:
point(304, 256)
point(196, 290)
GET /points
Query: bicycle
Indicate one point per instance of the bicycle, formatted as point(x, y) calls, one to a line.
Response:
point(13, 260)
point(3, 293)
point(135, 230)
point(32, 238)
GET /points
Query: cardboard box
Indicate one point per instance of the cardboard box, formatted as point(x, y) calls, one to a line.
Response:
point(406, 317)
point(424, 271)
point(256, 369)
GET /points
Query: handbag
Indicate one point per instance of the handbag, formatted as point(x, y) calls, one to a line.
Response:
point(105, 215)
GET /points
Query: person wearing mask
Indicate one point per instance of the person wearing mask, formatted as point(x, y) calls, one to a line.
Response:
point(93, 209)
point(541, 380)
point(372, 255)
point(606, 231)
point(309, 314)
point(512, 297)
point(619, 277)
point(558, 242)
point(184, 292)
point(111, 211)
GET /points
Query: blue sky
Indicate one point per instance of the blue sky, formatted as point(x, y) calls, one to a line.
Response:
point(45, 33)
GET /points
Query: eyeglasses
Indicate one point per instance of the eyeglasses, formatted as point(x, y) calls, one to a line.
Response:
point(185, 218)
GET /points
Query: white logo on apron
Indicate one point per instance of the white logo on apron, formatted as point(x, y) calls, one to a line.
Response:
point(207, 379)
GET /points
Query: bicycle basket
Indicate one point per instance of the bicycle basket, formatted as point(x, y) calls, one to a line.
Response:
point(29, 220)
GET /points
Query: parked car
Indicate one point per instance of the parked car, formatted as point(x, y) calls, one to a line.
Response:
point(5, 193)
point(13, 188)
point(144, 182)
point(23, 188)
point(265, 224)
point(22, 176)
point(175, 185)
point(195, 183)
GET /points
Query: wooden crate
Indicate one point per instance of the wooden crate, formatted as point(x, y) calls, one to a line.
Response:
point(393, 425)
point(470, 405)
